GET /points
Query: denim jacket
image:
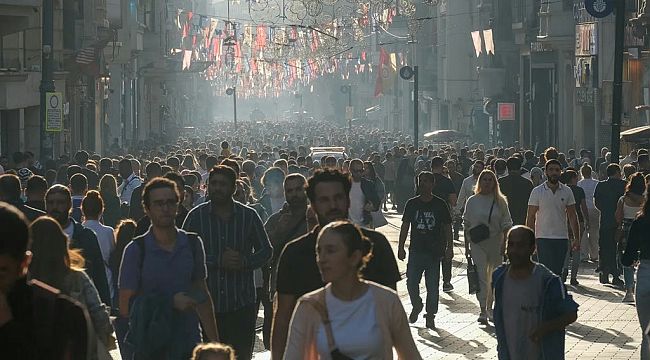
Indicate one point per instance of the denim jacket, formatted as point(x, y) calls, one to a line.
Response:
point(555, 303)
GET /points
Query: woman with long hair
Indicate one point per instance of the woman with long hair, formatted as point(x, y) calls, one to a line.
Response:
point(486, 221)
point(349, 316)
point(112, 209)
point(58, 266)
point(627, 209)
point(638, 248)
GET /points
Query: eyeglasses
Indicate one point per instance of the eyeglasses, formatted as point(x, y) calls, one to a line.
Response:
point(165, 203)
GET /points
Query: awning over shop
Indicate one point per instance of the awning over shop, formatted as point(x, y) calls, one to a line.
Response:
point(637, 134)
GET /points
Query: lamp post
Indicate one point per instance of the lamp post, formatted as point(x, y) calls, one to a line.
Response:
point(408, 73)
point(47, 70)
point(233, 91)
point(347, 89)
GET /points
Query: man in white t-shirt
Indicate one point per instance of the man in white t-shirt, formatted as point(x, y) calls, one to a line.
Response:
point(589, 245)
point(548, 208)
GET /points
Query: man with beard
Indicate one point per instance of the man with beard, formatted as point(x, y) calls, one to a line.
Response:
point(285, 225)
point(549, 206)
point(329, 194)
point(532, 307)
point(58, 203)
point(235, 245)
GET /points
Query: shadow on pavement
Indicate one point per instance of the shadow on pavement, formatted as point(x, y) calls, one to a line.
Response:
point(446, 342)
point(610, 294)
point(606, 336)
point(459, 304)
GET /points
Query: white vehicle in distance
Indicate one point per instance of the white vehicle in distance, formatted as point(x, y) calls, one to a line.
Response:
point(338, 152)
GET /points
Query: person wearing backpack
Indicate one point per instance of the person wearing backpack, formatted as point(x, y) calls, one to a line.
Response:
point(162, 285)
point(36, 320)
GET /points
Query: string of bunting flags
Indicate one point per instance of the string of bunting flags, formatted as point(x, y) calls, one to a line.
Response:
point(267, 59)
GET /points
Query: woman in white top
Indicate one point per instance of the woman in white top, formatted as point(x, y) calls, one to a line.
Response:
point(92, 208)
point(348, 317)
point(626, 211)
point(488, 207)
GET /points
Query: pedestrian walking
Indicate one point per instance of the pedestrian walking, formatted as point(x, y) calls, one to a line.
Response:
point(62, 268)
point(589, 243)
point(532, 307)
point(92, 207)
point(606, 197)
point(429, 219)
point(349, 317)
point(486, 221)
point(638, 249)
point(163, 282)
point(51, 325)
point(572, 259)
point(549, 206)
point(235, 244)
point(58, 203)
point(108, 190)
point(444, 189)
point(517, 190)
point(627, 210)
point(329, 194)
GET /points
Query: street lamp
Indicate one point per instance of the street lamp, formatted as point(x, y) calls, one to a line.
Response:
point(406, 73)
point(349, 111)
point(233, 91)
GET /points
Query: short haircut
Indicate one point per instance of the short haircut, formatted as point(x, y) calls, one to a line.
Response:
point(513, 163)
point(175, 177)
point(224, 170)
point(158, 183)
point(613, 169)
point(211, 161)
point(643, 159)
point(58, 189)
point(552, 162)
point(126, 164)
point(10, 187)
point(273, 175)
point(36, 183)
point(500, 165)
point(173, 162)
point(551, 153)
point(292, 177)
point(14, 232)
point(78, 183)
point(426, 174)
point(327, 175)
point(153, 168)
point(525, 232)
point(437, 162)
point(233, 164)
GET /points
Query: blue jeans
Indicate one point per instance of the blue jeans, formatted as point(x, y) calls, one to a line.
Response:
point(419, 263)
point(552, 252)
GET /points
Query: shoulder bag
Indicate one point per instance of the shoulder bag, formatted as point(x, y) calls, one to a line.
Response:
point(321, 308)
point(481, 232)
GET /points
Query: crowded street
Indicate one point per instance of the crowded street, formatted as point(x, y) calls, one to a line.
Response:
point(324, 179)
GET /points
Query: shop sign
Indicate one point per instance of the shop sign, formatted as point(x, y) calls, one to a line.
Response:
point(540, 46)
point(506, 111)
point(599, 8)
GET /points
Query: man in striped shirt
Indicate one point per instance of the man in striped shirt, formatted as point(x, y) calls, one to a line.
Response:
point(235, 245)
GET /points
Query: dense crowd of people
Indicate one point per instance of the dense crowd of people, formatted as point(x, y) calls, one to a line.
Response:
point(183, 243)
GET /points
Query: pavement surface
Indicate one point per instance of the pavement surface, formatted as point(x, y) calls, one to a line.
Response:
point(605, 329)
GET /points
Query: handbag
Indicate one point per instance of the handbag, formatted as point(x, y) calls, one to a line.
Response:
point(335, 353)
point(472, 276)
point(481, 232)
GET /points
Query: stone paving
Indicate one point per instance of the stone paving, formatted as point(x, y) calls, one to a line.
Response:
point(605, 329)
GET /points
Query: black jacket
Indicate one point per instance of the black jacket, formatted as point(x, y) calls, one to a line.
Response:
point(85, 240)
